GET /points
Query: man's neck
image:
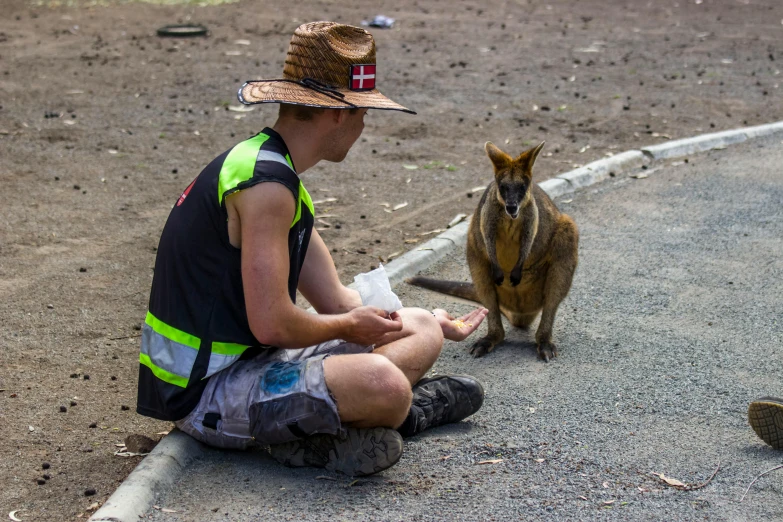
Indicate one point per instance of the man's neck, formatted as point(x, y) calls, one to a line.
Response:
point(302, 142)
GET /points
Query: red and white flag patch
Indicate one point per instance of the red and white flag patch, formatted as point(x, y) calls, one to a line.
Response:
point(362, 77)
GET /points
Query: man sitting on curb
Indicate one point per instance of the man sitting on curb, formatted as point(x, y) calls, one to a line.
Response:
point(227, 354)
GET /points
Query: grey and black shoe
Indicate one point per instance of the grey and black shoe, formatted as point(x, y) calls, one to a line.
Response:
point(361, 452)
point(765, 416)
point(442, 400)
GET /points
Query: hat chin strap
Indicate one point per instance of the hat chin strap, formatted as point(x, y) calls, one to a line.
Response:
point(321, 88)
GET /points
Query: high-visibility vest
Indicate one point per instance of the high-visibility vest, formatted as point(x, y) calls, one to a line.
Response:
point(197, 322)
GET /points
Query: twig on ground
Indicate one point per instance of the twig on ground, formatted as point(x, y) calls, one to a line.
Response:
point(758, 477)
point(124, 337)
point(693, 488)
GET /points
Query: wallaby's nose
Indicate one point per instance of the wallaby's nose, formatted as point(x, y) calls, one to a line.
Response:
point(512, 210)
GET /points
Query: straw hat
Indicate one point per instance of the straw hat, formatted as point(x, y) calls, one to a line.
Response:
point(328, 65)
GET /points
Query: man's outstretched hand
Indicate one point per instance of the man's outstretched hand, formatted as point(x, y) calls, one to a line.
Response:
point(459, 329)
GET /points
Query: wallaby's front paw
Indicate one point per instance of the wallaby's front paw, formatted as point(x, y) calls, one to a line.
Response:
point(497, 275)
point(546, 351)
point(516, 276)
point(482, 347)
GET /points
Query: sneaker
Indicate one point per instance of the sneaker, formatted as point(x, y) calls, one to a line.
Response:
point(361, 452)
point(765, 416)
point(442, 400)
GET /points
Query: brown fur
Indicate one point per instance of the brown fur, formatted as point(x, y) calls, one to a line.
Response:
point(522, 254)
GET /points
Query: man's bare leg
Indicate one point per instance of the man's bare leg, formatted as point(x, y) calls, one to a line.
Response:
point(416, 347)
point(376, 391)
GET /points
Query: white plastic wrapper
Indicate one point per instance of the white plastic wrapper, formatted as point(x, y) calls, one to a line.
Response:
point(375, 290)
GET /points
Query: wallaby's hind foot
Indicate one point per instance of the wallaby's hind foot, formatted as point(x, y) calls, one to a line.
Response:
point(546, 351)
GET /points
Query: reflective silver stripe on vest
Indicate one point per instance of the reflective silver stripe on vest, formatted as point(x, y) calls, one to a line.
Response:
point(219, 362)
point(266, 155)
point(166, 354)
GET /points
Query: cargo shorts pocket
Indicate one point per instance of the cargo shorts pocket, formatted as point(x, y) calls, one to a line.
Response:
point(291, 417)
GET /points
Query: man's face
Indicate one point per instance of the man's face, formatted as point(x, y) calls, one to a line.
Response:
point(345, 135)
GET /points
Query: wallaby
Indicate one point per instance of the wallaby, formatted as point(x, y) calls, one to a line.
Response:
point(522, 254)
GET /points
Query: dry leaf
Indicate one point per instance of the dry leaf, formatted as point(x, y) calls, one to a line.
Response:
point(392, 256)
point(436, 231)
point(539, 460)
point(242, 42)
point(457, 219)
point(240, 108)
point(478, 189)
point(401, 205)
point(493, 461)
point(609, 502)
point(324, 477)
point(162, 433)
point(12, 515)
point(639, 176)
point(411, 241)
point(583, 498)
point(324, 223)
point(167, 510)
point(445, 457)
point(233, 53)
point(670, 481)
point(410, 167)
point(327, 200)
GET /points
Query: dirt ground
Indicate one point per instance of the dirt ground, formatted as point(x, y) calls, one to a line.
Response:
point(103, 124)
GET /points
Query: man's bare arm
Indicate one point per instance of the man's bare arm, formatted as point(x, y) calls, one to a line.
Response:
point(265, 213)
point(320, 284)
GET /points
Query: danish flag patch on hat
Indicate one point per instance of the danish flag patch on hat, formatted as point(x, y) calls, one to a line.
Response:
point(362, 77)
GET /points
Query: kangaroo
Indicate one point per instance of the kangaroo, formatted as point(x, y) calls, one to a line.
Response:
point(522, 254)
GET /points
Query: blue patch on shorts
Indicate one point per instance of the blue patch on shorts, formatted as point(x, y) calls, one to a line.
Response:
point(281, 377)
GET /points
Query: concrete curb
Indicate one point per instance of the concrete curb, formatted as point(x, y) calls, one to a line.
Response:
point(158, 471)
point(154, 475)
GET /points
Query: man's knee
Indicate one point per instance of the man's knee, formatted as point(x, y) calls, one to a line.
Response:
point(387, 389)
point(424, 324)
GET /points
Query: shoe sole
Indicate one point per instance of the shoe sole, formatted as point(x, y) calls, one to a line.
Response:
point(363, 452)
point(765, 416)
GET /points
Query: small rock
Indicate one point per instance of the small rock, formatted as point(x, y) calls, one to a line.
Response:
point(86, 377)
point(47, 476)
point(137, 443)
point(73, 403)
point(89, 492)
point(40, 481)
point(46, 465)
point(50, 306)
point(93, 425)
point(82, 269)
point(63, 409)
point(124, 408)
point(74, 376)
point(113, 377)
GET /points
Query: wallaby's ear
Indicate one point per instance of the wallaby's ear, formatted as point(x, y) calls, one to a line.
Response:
point(498, 158)
point(529, 156)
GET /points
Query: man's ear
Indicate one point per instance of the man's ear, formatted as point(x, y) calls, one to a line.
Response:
point(338, 115)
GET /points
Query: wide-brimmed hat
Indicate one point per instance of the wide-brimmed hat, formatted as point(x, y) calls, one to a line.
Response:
point(328, 65)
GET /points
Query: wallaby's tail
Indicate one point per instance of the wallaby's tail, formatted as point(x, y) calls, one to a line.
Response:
point(455, 288)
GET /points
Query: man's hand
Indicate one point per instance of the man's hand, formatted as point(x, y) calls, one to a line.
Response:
point(370, 324)
point(459, 329)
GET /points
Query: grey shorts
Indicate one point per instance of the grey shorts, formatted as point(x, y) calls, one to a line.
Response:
point(278, 396)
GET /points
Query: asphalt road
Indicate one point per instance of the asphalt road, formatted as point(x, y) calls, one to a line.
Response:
point(672, 327)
